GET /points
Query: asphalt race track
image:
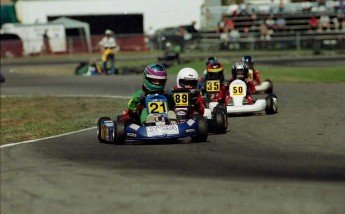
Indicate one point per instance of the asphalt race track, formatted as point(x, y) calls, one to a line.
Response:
point(291, 162)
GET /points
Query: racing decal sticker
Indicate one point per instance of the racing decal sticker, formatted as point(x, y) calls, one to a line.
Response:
point(212, 85)
point(161, 130)
point(134, 126)
point(104, 132)
point(190, 122)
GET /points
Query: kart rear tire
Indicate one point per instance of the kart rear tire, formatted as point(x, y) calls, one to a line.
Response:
point(221, 121)
point(202, 135)
point(119, 132)
point(101, 119)
point(271, 106)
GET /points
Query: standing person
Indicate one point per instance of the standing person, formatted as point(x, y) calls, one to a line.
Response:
point(109, 49)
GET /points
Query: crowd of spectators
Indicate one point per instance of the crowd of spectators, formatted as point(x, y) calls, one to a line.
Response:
point(276, 21)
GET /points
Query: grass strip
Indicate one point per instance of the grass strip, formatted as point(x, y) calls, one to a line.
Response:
point(28, 118)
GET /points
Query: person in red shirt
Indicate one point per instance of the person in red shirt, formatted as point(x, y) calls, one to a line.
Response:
point(313, 23)
point(239, 71)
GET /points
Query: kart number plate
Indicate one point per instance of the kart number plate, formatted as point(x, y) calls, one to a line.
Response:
point(212, 85)
point(237, 90)
point(181, 99)
point(157, 107)
point(161, 130)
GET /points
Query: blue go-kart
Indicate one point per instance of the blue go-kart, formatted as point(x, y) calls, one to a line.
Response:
point(160, 128)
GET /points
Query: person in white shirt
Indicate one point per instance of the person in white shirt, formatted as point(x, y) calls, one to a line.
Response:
point(109, 49)
point(324, 22)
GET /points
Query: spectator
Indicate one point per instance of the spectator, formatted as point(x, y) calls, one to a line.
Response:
point(340, 6)
point(339, 21)
point(281, 6)
point(182, 35)
point(234, 38)
point(280, 23)
point(221, 24)
point(229, 24)
point(265, 33)
point(224, 40)
point(109, 48)
point(272, 8)
point(313, 23)
point(324, 22)
point(233, 9)
point(321, 6)
point(306, 6)
point(243, 10)
point(270, 23)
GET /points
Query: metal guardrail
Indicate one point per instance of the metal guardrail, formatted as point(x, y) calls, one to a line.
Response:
point(208, 42)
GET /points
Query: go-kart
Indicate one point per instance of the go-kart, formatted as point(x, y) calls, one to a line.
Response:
point(217, 118)
point(239, 105)
point(264, 87)
point(161, 128)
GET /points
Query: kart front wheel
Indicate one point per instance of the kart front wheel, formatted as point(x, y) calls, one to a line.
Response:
point(202, 135)
point(119, 132)
point(99, 128)
point(221, 122)
point(271, 104)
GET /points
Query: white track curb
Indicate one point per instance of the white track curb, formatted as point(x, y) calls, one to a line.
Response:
point(51, 137)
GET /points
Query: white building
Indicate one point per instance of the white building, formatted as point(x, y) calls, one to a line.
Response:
point(156, 13)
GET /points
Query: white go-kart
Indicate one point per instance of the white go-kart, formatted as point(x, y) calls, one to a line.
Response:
point(239, 105)
point(264, 87)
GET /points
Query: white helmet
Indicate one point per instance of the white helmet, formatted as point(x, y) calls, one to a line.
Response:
point(108, 32)
point(187, 76)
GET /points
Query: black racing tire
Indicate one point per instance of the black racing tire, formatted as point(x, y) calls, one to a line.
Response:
point(99, 128)
point(221, 122)
point(202, 135)
point(119, 134)
point(270, 89)
point(271, 106)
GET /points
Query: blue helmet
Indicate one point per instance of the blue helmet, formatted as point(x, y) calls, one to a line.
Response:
point(249, 61)
point(155, 77)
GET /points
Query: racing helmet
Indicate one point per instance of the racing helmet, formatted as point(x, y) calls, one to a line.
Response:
point(187, 76)
point(155, 77)
point(249, 60)
point(211, 59)
point(215, 71)
point(240, 68)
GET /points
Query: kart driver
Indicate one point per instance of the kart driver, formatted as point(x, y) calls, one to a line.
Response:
point(214, 71)
point(188, 78)
point(249, 60)
point(154, 80)
point(202, 79)
point(239, 71)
